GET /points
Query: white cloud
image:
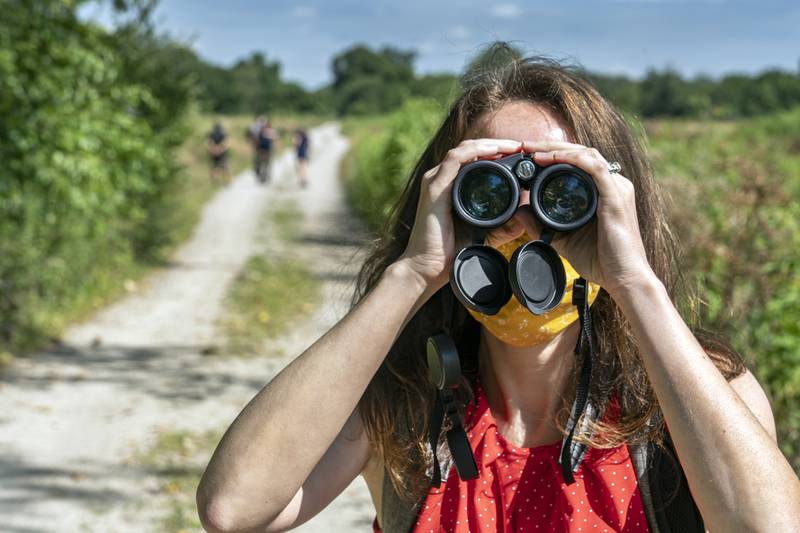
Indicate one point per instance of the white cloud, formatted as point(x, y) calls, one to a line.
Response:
point(506, 11)
point(304, 12)
point(459, 33)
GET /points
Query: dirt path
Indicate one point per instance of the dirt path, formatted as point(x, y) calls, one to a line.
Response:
point(71, 419)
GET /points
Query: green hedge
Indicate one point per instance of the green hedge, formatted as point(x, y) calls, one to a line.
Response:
point(383, 155)
point(86, 184)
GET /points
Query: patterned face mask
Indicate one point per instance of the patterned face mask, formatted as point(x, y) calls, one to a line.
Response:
point(516, 325)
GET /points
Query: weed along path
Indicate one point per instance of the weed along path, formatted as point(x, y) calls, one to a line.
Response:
point(110, 430)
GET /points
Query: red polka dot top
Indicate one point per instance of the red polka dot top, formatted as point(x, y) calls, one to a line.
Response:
point(522, 489)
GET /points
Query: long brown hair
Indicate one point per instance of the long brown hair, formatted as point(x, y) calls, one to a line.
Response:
point(395, 405)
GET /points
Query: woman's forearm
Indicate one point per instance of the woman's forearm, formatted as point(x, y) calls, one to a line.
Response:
point(276, 441)
point(738, 476)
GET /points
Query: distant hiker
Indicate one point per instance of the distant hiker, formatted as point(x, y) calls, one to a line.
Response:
point(301, 149)
point(264, 145)
point(253, 131)
point(217, 147)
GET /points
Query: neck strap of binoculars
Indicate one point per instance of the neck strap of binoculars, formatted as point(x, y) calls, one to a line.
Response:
point(447, 407)
point(570, 454)
point(569, 457)
point(457, 440)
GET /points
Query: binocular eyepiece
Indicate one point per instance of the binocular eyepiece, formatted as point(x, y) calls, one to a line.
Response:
point(486, 194)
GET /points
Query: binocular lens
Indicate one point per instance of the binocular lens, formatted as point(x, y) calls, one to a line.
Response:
point(566, 198)
point(485, 194)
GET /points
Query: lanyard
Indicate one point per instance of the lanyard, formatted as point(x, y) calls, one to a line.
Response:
point(445, 372)
point(570, 455)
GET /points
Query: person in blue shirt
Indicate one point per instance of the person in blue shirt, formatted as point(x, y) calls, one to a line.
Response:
point(301, 145)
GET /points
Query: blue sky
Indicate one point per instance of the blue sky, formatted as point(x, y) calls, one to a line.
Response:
point(620, 36)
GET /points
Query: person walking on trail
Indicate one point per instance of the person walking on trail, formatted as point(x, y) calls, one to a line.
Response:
point(253, 132)
point(265, 145)
point(301, 146)
point(217, 148)
point(615, 416)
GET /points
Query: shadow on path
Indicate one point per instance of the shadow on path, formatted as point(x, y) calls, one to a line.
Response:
point(166, 372)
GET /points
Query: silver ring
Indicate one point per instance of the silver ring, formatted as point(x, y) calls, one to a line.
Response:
point(614, 167)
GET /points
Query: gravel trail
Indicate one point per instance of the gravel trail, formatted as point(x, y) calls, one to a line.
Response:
point(72, 418)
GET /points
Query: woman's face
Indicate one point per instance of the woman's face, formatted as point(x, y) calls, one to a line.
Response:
point(520, 121)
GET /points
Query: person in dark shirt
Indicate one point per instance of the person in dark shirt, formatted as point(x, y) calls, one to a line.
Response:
point(301, 145)
point(265, 144)
point(253, 134)
point(217, 147)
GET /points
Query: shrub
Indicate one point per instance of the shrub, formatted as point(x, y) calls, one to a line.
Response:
point(86, 181)
point(380, 163)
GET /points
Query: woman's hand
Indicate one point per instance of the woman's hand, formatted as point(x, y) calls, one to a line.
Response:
point(609, 250)
point(432, 247)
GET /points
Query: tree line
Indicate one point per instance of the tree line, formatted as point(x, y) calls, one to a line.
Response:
point(370, 80)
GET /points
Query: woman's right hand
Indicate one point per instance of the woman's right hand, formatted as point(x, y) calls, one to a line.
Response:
point(431, 247)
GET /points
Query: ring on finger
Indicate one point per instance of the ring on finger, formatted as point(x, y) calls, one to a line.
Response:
point(614, 167)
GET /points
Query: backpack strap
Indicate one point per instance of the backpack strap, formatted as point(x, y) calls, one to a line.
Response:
point(641, 462)
point(668, 503)
point(397, 514)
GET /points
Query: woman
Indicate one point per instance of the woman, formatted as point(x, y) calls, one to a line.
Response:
point(345, 407)
point(301, 144)
point(265, 146)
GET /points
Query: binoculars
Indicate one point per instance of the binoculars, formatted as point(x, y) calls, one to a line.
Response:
point(486, 195)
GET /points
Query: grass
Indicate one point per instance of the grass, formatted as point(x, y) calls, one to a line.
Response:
point(734, 188)
point(359, 127)
point(286, 219)
point(270, 293)
point(268, 296)
point(178, 459)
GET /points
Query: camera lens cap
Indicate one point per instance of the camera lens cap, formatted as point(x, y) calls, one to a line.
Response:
point(537, 276)
point(479, 279)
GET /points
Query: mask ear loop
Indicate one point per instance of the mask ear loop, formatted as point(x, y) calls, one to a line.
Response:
point(570, 455)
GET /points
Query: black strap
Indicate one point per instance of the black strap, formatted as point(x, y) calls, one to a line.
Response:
point(571, 453)
point(569, 457)
point(435, 428)
point(457, 441)
point(673, 505)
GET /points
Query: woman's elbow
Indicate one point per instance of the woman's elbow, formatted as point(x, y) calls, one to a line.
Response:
point(221, 513)
point(212, 513)
point(218, 514)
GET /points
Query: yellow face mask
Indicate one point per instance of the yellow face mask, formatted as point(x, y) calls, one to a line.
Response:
point(514, 324)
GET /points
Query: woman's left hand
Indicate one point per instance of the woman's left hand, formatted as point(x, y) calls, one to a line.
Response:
point(609, 250)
